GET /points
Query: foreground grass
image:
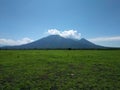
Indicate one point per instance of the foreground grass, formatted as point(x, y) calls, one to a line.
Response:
point(59, 70)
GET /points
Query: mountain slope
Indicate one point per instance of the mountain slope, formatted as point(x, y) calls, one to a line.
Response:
point(87, 44)
point(57, 42)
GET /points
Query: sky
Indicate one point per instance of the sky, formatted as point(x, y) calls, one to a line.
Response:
point(24, 21)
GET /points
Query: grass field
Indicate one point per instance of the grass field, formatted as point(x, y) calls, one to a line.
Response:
point(59, 69)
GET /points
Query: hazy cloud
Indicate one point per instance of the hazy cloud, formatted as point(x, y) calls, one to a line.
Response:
point(66, 34)
point(102, 39)
point(15, 42)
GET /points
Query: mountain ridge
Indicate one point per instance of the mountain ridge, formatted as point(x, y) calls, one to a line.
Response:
point(57, 42)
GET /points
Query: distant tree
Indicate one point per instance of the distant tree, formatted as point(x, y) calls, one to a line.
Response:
point(69, 48)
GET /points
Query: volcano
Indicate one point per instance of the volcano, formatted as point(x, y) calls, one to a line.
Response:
point(57, 42)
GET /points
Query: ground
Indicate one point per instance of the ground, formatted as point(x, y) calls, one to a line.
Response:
point(59, 69)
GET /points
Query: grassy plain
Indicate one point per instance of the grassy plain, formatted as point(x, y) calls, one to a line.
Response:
point(59, 69)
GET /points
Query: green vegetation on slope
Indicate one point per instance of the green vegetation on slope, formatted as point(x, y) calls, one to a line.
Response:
point(59, 70)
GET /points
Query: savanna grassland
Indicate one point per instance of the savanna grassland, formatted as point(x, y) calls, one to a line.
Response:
point(59, 69)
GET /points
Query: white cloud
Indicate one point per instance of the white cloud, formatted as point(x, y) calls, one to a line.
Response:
point(54, 32)
point(15, 42)
point(66, 34)
point(103, 39)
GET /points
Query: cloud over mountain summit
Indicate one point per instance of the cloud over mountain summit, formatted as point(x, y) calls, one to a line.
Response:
point(66, 34)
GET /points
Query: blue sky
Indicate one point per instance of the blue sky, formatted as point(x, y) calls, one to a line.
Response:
point(24, 21)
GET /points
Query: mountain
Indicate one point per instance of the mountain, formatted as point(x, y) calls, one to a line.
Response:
point(57, 42)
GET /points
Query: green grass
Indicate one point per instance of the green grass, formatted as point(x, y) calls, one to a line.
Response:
point(59, 69)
